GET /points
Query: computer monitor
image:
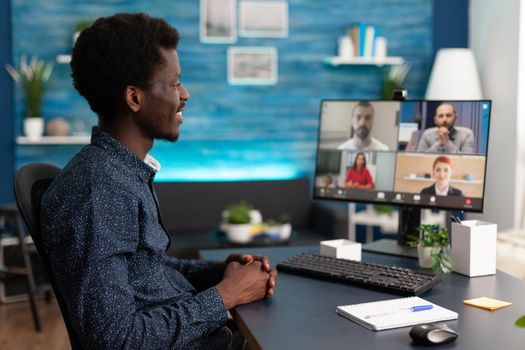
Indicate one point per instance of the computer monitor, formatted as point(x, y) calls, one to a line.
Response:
point(412, 153)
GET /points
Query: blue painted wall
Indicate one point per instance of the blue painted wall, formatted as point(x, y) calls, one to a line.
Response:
point(233, 132)
point(450, 25)
point(7, 145)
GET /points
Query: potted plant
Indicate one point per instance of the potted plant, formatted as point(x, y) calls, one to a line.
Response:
point(394, 79)
point(239, 221)
point(33, 77)
point(433, 248)
point(384, 209)
point(280, 229)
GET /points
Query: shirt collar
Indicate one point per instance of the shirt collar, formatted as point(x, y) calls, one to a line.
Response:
point(145, 171)
point(442, 193)
point(152, 162)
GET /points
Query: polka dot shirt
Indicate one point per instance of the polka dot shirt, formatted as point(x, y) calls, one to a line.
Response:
point(104, 236)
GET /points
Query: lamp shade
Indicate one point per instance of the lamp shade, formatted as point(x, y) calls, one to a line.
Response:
point(454, 76)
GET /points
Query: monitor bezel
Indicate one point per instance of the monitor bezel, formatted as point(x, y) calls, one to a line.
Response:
point(417, 205)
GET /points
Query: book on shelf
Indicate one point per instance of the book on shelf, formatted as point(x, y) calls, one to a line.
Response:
point(369, 41)
point(363, 40)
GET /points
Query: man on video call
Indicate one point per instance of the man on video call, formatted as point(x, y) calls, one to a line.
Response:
point(445, 137)
point(361, 124)
point(100, 219)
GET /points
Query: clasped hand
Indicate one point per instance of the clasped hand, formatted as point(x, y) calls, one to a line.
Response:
point(246, 278)
point(443, 135)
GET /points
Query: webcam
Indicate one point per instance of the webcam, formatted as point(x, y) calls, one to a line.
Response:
point(399, 94)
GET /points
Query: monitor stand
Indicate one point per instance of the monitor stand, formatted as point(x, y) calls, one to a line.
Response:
point(409, 220)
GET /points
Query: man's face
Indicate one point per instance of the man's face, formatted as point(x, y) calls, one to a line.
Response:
point(445, 116)
point(164, 99)
point(362, 121)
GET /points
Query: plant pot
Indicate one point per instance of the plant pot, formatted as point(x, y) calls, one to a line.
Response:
point(34, 128)
point(238, 233)
point(279, 231)
point(424, 255)
point(286, 231)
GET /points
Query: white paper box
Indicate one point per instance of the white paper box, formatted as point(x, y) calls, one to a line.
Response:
point(473, 247)
point(341, 249)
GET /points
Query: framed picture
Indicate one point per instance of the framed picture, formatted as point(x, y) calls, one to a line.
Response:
point(263, 19)
point(252, 65)
point(218, 21)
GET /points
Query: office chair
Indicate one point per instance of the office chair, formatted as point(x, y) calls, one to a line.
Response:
point(10, 211)
point(31, 181)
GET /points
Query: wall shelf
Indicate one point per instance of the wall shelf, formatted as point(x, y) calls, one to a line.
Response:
point(54, 140)
point(429, 179)
point(371, 61)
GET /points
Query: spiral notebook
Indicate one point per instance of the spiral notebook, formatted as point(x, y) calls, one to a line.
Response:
point(394, 313)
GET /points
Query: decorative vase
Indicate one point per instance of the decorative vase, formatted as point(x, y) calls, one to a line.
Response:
point(58, 127)
point(279, 232)
point(286, 231)
point(238, 233)
point(424, 255)
point(34, 128)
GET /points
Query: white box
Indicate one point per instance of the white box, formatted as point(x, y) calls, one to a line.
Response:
point(341, 249)
point(473, 246)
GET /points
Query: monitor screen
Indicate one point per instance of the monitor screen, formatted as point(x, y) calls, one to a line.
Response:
point(431, 154)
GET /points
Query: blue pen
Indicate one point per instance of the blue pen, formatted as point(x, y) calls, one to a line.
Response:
point(412, 309)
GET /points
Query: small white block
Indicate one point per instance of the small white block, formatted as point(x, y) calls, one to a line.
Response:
point(341, 249)
point(473, 248)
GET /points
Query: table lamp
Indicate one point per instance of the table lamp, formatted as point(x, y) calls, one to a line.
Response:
point(454, 76)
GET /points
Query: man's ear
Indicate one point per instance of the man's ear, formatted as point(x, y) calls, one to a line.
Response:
point(134, 98)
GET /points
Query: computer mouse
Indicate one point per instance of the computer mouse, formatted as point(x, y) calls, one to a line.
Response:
point(431, 334)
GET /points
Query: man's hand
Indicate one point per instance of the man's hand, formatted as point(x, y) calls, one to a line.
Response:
point(245, 283)
point(244, 259)
point(271, 282)
point(443, 135)
point(248, 259)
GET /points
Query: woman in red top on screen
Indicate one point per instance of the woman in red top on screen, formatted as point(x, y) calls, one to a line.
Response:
point(358, 176)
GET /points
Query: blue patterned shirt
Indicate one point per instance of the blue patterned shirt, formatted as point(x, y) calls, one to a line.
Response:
point(103, 232)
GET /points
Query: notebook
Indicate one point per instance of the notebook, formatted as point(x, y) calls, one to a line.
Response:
point(394, 313)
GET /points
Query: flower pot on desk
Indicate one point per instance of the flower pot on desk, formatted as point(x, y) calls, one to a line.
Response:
point(424, 255)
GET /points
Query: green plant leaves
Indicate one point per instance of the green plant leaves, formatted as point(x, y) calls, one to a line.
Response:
point(239, 213)
point(433, 236)
point(33, 77)
point(520, 322)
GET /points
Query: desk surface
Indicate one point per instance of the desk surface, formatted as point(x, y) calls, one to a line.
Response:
point(301, 314)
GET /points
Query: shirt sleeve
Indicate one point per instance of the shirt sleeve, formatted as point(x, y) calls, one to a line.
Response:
point(468, 144)
point(190, 266)
point(348, 175)
point(202, 274)
point(369, 179)
point(449, 147)
point(423, 145)
point(90, 255)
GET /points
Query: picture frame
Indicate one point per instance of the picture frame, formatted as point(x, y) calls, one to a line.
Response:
point(218, 21)
point(252, 65)
point(267, 19)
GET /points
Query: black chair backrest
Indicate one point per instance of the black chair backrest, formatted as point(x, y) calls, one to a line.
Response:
point(31, 181)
